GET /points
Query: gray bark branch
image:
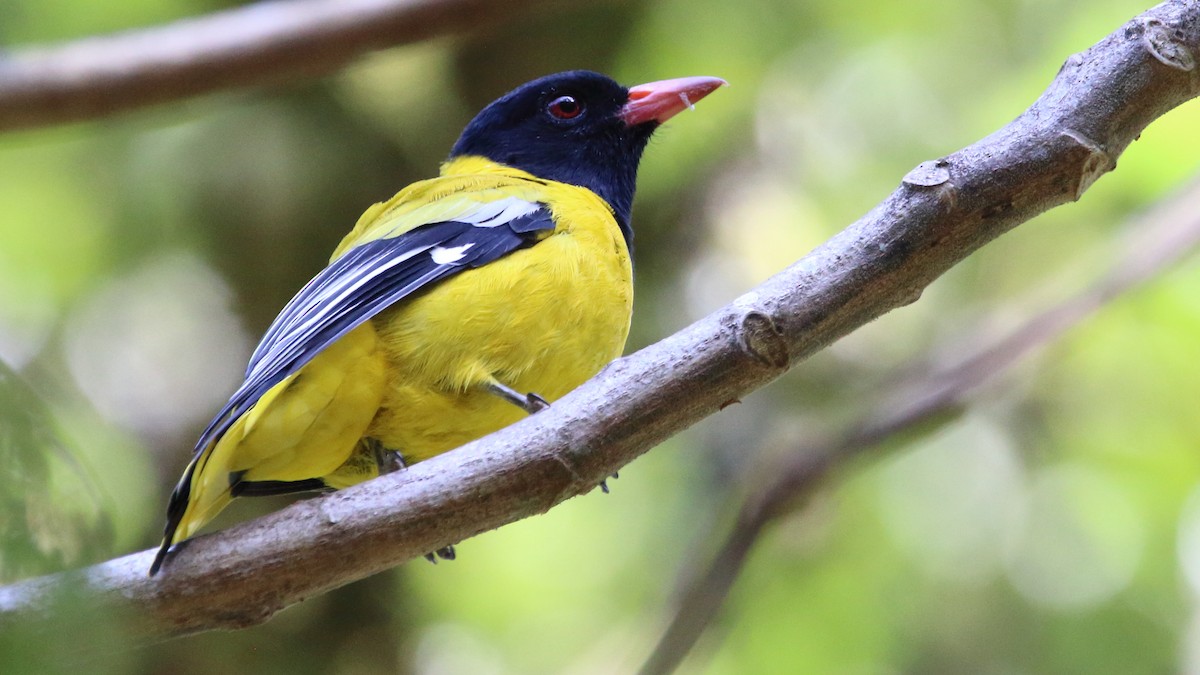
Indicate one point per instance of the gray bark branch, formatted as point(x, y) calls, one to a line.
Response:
point(945, 209)
point(1154, 243)
point(260, 44)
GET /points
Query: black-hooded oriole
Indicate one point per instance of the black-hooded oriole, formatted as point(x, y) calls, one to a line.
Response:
point(450, 310)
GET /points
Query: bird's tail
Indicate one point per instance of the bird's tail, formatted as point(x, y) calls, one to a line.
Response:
point(193, 503)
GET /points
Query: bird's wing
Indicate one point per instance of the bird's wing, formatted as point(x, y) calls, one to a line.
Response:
point(401, 257)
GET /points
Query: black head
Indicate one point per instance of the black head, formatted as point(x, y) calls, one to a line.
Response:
point(565, 127)
point(581, 128)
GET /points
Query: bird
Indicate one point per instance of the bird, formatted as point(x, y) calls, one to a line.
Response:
point(451, 310)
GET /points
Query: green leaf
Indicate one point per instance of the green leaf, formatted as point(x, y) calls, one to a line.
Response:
point(50, 506)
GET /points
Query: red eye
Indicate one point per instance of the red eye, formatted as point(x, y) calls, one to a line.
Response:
point(565, 107)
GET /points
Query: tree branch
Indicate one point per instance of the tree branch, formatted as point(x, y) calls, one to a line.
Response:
point(259, 44)
point(1153, 244)
point(945, 209)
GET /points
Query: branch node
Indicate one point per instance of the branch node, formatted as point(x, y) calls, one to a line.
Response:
point(911, 296)
point(762, 338)
point(1165, 44)
point(930, 173)
point(566, 463)
point(330, 516)
point(246, 618)
point(1098, 162)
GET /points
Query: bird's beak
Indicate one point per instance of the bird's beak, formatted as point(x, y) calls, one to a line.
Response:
point(662, 100)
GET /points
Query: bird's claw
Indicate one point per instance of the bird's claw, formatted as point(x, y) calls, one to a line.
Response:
point(604, 483)
point(445, 553)
point(535, 403)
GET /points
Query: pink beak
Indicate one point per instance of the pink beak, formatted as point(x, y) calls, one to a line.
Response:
point(662, 100)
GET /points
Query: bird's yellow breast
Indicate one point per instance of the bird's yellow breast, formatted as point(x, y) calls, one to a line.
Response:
point(541, 320)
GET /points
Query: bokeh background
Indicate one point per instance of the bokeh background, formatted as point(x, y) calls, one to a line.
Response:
point(1053, 527)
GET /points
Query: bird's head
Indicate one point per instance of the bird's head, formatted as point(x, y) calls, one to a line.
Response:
point(581, 128)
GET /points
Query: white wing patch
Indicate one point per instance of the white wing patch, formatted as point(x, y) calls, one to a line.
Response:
point(499, 212)
point(486, 214)
point(443, 255)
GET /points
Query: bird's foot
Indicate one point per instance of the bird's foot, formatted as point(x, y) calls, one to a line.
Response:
point(386, 459)
point(530, 402)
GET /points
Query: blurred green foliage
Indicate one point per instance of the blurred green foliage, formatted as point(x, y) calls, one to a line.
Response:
point(51, 512)
point(1054, 527)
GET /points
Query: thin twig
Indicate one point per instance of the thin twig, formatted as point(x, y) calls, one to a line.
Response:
point(1101, 100)
point(1154, 243)
point(259, 44)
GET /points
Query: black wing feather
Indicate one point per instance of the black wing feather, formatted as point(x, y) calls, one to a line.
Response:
point(360, 284)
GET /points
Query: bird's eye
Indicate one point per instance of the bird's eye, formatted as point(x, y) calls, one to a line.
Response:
point(565, 107)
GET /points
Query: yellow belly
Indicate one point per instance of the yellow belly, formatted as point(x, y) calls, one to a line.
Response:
point(541, 320)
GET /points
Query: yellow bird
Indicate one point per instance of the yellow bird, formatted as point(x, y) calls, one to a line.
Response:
point(450, 310)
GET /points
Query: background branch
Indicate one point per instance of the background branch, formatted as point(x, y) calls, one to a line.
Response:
point(945, 209)
point(259, 44)
point(1153, 244)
